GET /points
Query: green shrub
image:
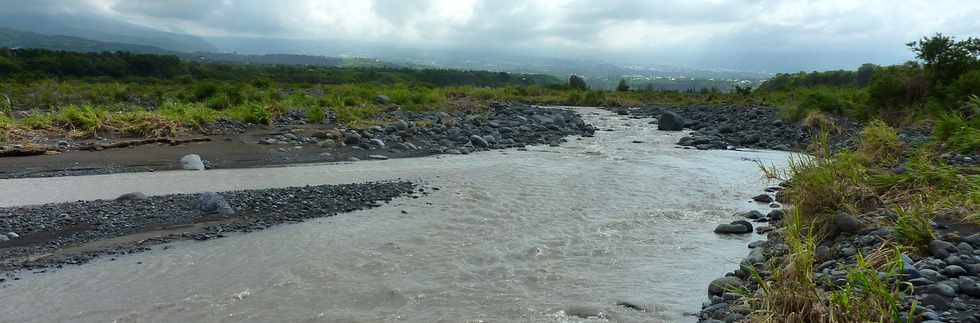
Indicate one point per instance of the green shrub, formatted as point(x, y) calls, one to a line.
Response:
point(879, 143)
point(202, 91)
point(193, 114)
point(968, 84)
point(251, 113)
point(86, 118)
point(913, 228)
point(219, 102)
point(315, 114)
point(38, 120)
point(594, 99)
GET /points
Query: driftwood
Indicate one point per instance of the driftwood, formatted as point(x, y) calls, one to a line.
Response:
point(130, 143)
point(48, 150)
point(23, 152)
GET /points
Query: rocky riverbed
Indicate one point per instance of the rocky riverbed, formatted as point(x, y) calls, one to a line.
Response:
point(41, 236)
point(292, 140)
point(731, 127)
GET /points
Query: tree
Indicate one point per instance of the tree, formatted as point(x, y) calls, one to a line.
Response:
point(946, 58)
point(623, 87)
point(743, 91)
point(577, 82)
point(864, 74)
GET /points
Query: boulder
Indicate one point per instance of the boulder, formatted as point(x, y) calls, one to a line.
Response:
point(752, 215)
point(210, 202)
point(131, 196)
point(479, 141)
point(670, 121)
point(382, 99)
point(763, 198)
point(941, 249)
point(776, 215)
point(847, 223)
point(719, 286)
point(908, 269)
point(191, 162)
point(737, 227)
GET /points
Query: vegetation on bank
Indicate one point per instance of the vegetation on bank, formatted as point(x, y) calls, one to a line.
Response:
point(883, 180)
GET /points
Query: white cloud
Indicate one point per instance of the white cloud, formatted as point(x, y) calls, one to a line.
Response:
point(695, 32)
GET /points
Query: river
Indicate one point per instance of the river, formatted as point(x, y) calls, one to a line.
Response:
point(510, 236)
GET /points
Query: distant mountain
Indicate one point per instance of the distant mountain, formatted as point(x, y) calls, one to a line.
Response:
point(105, 30)
point(598, 74)
point(10, 38)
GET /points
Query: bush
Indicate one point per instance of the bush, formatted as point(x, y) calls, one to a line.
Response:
point(193, 114)
point(85, 118)
point(914, 228)
point(968, 84)
point(315, 114)
point(880, 144)
point(251, 113)
point(577, 82)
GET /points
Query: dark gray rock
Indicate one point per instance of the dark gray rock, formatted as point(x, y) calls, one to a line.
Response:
point(941, 249)
point(719, 286)
point(969, 286)
point(131, 196)
point(191, 162)
point(732, 229)
point(479, 141)
point(753, 215)
point(382, 99)
point(763, 198)
point(210, 202)
point(847, 223)
point(776, 215)
point(953, 271)
point(908, 269)
point(932, 275)
point(822, 253)
point(378, 157)
point(942, 289)
point(670, 121)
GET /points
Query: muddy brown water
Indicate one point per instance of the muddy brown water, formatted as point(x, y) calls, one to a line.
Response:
point(511, 236)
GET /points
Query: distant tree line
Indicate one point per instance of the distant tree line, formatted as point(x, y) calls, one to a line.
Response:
point(944, 76)
point(33, 64)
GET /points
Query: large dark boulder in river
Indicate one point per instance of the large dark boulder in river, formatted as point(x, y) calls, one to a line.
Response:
point(737, 227)
point(670, 121)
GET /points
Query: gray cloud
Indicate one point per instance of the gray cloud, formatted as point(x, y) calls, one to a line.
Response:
point(776, 35)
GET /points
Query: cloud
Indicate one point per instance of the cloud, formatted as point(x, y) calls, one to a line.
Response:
point(757, 34)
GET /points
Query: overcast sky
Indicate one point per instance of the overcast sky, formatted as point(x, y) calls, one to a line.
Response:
point(774, 35)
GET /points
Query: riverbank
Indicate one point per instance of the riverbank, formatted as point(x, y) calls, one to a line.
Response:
point(744, 127)
point(52, 235)
point(292, 140)
point(884, 230)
